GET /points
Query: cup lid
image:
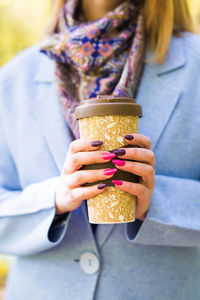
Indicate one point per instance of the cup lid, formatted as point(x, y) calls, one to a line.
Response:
point(104, 105)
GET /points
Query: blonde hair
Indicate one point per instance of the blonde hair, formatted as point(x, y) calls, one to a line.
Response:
point(163, 18)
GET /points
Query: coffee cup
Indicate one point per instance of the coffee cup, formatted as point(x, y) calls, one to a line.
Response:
point(109, 119)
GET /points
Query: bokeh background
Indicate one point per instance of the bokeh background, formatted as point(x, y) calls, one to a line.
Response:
point(22, 24)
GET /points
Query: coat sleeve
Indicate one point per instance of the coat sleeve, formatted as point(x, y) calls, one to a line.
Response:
point(26, 216)
point(173, 218)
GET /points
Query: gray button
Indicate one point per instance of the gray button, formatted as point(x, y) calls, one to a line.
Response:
point(89, 263)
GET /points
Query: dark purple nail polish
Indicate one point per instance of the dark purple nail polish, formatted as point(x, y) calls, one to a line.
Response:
point(129, 137)
point(96, 143)
point(101, 186)
point(119, 152)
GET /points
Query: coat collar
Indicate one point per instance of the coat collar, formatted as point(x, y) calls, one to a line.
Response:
point(174, 60)
point(45, 72)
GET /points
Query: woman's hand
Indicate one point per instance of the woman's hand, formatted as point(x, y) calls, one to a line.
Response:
point(69, 192)
point(144, 167)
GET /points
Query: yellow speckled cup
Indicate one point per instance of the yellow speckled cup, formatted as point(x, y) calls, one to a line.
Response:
point(109, 119)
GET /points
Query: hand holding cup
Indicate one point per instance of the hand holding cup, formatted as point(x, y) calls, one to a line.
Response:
point(139, 160)
point(70, 191)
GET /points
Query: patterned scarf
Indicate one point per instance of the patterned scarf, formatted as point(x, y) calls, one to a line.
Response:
point(104, 56)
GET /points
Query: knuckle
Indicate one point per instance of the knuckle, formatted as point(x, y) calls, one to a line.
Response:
point(142, 191)
point(65, 170)
point(76, 194)
point(154, 160)
point(151, 171)
point(74, 160)
point(134, 167)
point(81, 193)
point(151, 155)
point(72, 146)
point(73, 180)
point(77, 178)
point(71, 195)
point(149, 142)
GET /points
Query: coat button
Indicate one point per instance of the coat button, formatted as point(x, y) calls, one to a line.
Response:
point(89, 263)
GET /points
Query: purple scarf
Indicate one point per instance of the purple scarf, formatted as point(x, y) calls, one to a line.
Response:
point(99, 57)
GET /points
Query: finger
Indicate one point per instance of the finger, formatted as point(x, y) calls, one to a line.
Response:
point(77, 160)
point(137, 139)
point(81, 177)
point(145, 171)
point(136, 189)
point(73, 198)
point(83, 193)
point(139, 154)
point(84, 145)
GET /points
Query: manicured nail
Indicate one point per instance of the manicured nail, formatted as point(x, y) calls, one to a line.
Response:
point(101, 186)
point(110, 171)
point(118, 162)
point(96, 143)
point(129, 137)
point(108, 156)
point(119, 152)
point(117, 182)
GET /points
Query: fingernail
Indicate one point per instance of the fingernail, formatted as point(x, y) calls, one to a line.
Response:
point(96, 143)
point(119, 152)
point(118, 162)
point(108, 156)
point(101, 186)
point(110, 171)
point(129, 137)
point(117, 182)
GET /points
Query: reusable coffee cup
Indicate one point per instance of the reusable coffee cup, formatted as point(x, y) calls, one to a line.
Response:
point(109, 119)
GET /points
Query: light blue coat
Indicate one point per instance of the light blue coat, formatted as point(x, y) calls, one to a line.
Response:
point(158, 260)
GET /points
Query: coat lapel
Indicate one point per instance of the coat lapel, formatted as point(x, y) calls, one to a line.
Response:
point(47, 112)
point(53, 126)
point(157, 105)
point(157, 97)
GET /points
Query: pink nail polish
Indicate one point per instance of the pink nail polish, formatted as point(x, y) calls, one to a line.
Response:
point(118, 162)
point(110, 171)
point(108, 156)
point(117, 182)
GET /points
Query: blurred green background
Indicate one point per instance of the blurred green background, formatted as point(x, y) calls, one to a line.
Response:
point(22, 24)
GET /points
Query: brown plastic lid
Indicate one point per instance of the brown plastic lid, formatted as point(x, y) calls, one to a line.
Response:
point(104, 105)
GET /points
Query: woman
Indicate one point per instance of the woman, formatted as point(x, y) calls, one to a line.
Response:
point(44, 222)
